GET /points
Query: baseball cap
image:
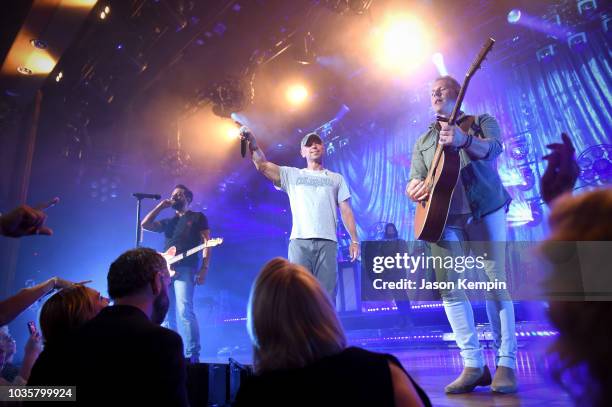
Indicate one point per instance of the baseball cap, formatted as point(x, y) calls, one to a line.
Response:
point(310, 137)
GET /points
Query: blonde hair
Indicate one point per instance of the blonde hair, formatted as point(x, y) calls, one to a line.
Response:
point(291, 320)
point(66, 311)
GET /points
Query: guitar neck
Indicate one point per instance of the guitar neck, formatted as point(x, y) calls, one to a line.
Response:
point(453, 116)
point(188, 253)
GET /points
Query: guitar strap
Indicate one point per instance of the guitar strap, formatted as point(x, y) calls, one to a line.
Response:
point(471, 123)
point(465, 123)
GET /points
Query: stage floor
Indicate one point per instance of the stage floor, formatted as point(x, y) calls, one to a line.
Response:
point(435, 368)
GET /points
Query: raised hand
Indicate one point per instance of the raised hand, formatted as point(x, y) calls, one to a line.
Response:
point(25, 220)
point(247, 134)
point(166, 203)
point(562, 170)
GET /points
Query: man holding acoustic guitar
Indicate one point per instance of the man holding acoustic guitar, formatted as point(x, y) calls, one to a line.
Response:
point(183, 231)
point(474, 220)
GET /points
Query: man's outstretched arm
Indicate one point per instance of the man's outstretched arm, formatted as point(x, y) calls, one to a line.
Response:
point(267, 168)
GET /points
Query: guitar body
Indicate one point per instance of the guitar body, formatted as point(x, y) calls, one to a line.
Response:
point(430, 216)
point(167, 255)
point(171, 257)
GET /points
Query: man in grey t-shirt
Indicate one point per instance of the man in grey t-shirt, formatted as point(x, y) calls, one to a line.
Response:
point(315, 193)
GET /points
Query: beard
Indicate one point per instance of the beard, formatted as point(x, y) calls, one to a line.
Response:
point(161, 304)
point(178, 205)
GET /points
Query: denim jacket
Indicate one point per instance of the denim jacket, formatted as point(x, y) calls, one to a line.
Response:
point(482, 184)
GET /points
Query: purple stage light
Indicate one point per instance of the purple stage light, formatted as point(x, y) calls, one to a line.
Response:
point(220, 29)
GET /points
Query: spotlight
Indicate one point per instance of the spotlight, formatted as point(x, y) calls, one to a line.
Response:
point(586, 7)
point(578, 41)
point(59, 76)
point(102, 15)
point(401, 44)
point(514, 16)
point(24, 71)
point(330, 149)
point(40, 44)
point(107, 10)
point(546, 53)
point(40, 62)
point(232, 132)
point(105, 188)
point(297, 94)
point(438, 60)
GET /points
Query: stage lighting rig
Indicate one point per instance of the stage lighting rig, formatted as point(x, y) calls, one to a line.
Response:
point(227, 96)
point(303, 51)
point(176, 162)
point(596, 165)
point(344, 6)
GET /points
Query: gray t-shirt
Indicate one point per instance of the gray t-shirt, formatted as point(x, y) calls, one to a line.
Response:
point(314, 197)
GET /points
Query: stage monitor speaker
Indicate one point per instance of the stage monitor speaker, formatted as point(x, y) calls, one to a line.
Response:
point(215, 384)
point(348, 298)
point(238, 374)
point(207, 384)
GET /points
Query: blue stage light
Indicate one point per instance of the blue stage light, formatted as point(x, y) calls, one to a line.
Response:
point(514, 16)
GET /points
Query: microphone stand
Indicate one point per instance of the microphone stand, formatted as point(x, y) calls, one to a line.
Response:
point(139, 198)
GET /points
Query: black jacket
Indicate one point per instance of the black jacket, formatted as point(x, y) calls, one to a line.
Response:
point(118, 358)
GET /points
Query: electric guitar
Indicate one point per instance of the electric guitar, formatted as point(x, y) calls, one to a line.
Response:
point(171, 256)
point(431, 214)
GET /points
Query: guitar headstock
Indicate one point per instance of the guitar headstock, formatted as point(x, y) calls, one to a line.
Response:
point(486, 48)
point(214, 242)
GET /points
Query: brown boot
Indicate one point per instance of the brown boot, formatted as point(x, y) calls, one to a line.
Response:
point(504, 380)
point(469, 379)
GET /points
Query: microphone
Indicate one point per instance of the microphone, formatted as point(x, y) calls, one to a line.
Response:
point(142, 195)
point(243, 141)
point(243, 147)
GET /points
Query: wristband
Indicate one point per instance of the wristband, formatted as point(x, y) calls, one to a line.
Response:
point(468, 142)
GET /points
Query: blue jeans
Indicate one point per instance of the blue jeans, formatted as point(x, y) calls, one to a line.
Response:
point(462, 235)
point(180, 292)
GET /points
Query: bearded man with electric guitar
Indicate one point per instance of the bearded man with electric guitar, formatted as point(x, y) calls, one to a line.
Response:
point(472, 217)
point(182, 232)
